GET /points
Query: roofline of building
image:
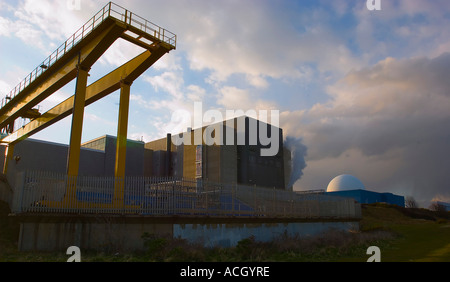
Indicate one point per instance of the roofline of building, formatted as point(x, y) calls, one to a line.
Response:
point(224, 122)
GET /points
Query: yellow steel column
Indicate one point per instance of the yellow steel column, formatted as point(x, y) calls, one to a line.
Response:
point(73, 160)
point(8, 157)
point(122, 129)
point(77, 123)
point(121, 149)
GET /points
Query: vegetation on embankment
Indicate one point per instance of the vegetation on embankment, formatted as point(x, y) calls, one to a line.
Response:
point(422, 235)
point(401, 234)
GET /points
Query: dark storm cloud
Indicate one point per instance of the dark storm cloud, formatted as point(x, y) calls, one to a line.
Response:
point(396, 110)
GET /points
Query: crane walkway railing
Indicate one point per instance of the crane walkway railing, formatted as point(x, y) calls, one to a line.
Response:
point(110, 10)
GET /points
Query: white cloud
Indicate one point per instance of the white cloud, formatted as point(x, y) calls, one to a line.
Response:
point(53, 17)
point(6, 26)
point(120, 52)
point(233, 98)
point(253, 39)
point(12, 77)
point(91, 117)
point(403, 28)
point(169, 62)
point(257, 81)
point(42, 23)
point(168, 82)
point(195, 93)
point(4, 88)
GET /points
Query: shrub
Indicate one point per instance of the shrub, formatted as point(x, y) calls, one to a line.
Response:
point(249, 249)
point(165, 248)
point(155, 246)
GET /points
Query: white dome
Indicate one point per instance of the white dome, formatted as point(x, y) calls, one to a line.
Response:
point(345, 182)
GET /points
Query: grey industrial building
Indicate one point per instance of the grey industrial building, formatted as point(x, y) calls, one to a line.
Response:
point(227, 163)
point(223, 162)
point(258, 205)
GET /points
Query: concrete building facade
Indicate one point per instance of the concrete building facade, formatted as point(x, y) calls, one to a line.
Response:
point(97, 157)
point(239, 163)
point(235, 159)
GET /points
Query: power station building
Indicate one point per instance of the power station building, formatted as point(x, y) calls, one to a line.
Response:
point(258, 205)
point(349, 186)
point(234, 157)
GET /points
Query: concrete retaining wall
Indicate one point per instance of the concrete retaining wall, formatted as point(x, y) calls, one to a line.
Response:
point(228, 235)
point(50, 233)
point(104, 234)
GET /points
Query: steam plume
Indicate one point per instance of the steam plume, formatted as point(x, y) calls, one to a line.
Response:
point(298, 154)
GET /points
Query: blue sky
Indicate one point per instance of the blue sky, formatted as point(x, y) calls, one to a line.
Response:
point(366, 91)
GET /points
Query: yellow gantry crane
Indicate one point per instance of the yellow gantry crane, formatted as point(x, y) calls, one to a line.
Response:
point(73, 60)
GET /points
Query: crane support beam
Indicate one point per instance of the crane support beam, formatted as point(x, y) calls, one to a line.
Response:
point(73, 160)
point(122, 130)
point(121, 150)
point(97, 90)
point(57, 78)
point(9, 157)
point(73, 60)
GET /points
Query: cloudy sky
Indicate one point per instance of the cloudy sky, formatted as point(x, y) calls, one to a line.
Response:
point(366, 92)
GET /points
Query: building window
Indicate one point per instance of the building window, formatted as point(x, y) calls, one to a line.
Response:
point(198, 170)
point(199, 161)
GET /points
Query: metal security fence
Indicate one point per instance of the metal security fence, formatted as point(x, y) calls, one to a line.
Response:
point(284, 203)
point(43, 192)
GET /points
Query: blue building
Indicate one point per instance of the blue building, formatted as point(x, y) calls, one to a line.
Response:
point(351, 187)
point(369, 197)
point(444, 205)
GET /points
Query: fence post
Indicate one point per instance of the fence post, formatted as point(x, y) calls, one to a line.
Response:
point(275, 204)
point(233, 194)
point(19, 187)
point(254, 197)
point(173, 197)
point(205, 188)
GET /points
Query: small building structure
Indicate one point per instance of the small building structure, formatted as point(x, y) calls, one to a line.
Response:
point(348, 186)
